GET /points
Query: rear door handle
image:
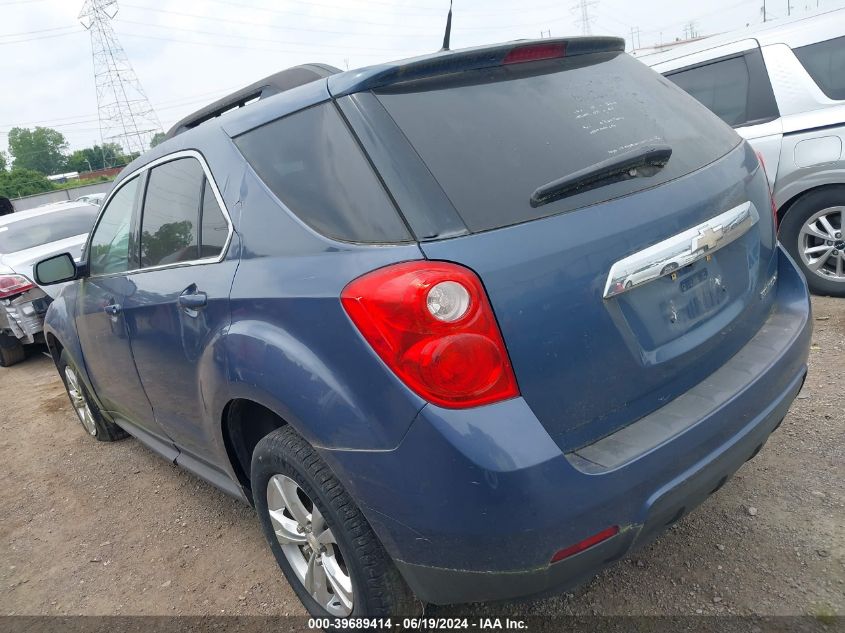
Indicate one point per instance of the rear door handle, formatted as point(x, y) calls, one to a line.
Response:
point(193, 300)
point(113, 309)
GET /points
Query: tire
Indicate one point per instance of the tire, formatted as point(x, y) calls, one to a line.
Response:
point(796, 217)
point(92, 420)
point(11, 351)
point(283, 458)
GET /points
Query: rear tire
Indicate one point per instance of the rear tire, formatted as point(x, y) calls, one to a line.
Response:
point(798, 215)
point(84, 407)
point(11, 351)
point(288, 472)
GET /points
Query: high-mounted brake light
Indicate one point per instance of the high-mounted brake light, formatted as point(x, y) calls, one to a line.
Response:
point(11, 285)
point(769, 185)
point(432, 324)
point(534, 52)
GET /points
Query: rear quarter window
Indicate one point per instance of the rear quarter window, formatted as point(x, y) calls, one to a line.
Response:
point(314, 165)
point(825, 63)
point(737, 89)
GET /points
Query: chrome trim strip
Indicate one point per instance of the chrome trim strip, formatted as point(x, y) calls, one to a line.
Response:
point(186, 153)
point(680, 250)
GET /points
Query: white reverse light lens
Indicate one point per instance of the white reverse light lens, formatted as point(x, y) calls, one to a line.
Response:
point(448, 301)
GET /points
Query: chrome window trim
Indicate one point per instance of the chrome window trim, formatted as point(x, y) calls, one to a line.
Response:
point(678, 251)
point(185, 153)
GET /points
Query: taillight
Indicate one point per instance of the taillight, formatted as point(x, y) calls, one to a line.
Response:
point(11, 285)
point(432, 324)
point(769, 184)
point(534, 52)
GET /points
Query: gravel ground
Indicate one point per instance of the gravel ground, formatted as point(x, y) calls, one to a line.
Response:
point(97, 529)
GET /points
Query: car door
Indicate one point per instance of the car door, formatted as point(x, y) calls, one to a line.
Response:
point(179, 301)
point(101, 322)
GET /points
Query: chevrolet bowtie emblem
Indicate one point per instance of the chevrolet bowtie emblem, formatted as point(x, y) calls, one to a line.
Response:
point(670, 256)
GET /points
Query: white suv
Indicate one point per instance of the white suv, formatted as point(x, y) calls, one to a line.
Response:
point(782, 87)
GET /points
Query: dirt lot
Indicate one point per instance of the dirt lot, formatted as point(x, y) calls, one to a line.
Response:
point(93, 528)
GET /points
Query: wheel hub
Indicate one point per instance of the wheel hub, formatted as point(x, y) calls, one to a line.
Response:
point(79, 401)
point(309, 545)
point(821, 244)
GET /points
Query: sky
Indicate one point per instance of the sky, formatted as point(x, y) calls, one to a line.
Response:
point(187, 53)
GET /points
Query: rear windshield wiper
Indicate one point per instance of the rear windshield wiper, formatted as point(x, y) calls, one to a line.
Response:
point(637, 163)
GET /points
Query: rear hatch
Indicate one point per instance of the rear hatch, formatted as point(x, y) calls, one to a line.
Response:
point(595, 351)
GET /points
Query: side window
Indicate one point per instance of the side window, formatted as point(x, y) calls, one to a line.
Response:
point(313, 164)
point(825, 63)
point(736, 89)
point(109, 251)
point(215, 229)
point(169, 227)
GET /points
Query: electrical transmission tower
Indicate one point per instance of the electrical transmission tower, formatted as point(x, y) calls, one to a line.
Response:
point(125, 114)
point(582, 7)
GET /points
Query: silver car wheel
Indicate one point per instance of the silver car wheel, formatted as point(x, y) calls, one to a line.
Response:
point(79, 401)
point(309, 545)
point(821, 243)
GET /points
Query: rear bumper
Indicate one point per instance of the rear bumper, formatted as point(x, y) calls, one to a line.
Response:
point(473, 504)
point(23, 316)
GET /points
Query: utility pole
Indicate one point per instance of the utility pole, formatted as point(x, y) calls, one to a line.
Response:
point(635, 38)
point(125, 114)
point(764, 10)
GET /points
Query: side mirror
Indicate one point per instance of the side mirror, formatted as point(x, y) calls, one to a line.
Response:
point(56, 270)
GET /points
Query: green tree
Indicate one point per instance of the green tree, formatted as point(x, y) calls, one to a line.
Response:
point(23, 182)
point(41, 149)
point(96, 157)
point(3, 162)
point(157, 138)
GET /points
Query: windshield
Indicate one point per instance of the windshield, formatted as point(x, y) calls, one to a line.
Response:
point(491, 137)
point(46, 228)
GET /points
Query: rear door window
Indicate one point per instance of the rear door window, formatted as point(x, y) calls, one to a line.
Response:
point(170, 224)
point(825, 63)
point(313, 164)
point(737, 89)
point(492, 136)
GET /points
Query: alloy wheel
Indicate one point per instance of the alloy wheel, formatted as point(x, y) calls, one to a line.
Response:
point(79, 401)
point(821, 243)
point(309, 545)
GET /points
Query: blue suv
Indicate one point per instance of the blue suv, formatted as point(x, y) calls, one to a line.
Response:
point(465, 327)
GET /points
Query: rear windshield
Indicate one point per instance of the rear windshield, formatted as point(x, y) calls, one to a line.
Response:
point(43, 229)
point(493, 136)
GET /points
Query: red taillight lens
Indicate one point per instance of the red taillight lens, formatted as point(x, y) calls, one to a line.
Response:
point(588, 542)
point(432, 323)
point(534, 52)
point(11, 285)
point(771, 193)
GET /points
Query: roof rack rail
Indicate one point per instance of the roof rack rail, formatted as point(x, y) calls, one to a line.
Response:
point(267, 87)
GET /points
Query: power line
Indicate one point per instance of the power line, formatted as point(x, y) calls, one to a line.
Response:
point(392, 33)
point(235, 46)
point(251, 38)
point(43, 37)
point(58, 28)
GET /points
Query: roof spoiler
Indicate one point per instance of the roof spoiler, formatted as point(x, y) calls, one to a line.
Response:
point(446, 62)
point(267, 87)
